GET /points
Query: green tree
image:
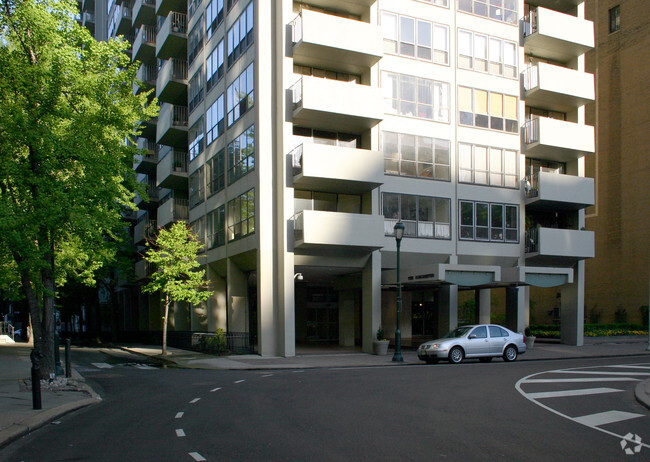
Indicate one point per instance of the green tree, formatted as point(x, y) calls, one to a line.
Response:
point(66, 111)
point(177, 275)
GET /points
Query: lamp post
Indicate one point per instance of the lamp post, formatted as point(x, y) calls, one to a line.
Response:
point(399, 233)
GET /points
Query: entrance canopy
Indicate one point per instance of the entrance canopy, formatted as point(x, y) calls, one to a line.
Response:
point(538, 276)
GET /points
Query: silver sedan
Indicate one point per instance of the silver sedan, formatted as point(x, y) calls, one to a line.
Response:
point(484, 341)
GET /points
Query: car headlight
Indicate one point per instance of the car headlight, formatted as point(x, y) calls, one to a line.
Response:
point(425, 347)
point(435, 346)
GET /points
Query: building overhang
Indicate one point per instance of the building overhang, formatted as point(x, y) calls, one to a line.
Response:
point(538, 276)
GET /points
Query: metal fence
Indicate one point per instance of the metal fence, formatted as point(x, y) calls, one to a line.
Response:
point(6, 329)
point(222, 342)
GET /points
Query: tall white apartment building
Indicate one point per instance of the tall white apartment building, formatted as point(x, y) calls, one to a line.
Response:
point(294, 135)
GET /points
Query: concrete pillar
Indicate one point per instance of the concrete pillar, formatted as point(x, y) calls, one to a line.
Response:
point(517, 308)
point(371, 300)
point(180, 316)
point(237, 298)
point(572, 308)
point(447, 308)
point(483, 305)
point(216, 307)
point(346, 318)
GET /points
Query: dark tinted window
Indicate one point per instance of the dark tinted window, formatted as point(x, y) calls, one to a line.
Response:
point(496, 331)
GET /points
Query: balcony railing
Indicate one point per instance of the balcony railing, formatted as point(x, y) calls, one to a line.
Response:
point(179, 22)
point(532, 240)
point(296, 91)
point(179, 116)
point(298, 225)
point(296, 27)
point(179, 69)
point(296, 160)
point(531, 77)
point(530, 23)
point(149, 73)
point(148, 34)
point(532, 130)
point(419, 229)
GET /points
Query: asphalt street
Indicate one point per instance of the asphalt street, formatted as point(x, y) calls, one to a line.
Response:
point(523, 411)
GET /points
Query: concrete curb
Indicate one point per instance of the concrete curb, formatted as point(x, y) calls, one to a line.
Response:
point(34, 422)
point(642, 393)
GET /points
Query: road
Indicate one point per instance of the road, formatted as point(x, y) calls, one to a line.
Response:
point(523, 411)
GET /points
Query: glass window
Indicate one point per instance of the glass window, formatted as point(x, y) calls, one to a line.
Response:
point(241, 215)
point(479, 332)
point(240, 95)
point(419, 156)
point(615, 19)
point(215, 172)
point(406, 36)
point(241, 155)
point(496, 222)
point(440, 44)
point(240, 34)
point(482, 221)
point(424, 40)
point(213, 16)
point(466, 220)
point(496, 331)
point(195, 90)
point(196, 187)
point(216, 227)
point(389, 30)
point(416, 97)
point(465, 54)
point(195, 41)
point(214, 120)
point(422, 216)
point(214, 66)
point(195, 138)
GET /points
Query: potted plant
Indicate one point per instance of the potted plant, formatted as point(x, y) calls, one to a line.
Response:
point(529, 338)
point(380, 346)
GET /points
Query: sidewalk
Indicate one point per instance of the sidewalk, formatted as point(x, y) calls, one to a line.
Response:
point(17, 417)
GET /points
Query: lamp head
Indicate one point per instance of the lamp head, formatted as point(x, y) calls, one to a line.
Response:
point(399, 231)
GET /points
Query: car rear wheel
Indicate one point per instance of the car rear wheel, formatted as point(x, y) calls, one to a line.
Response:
point(456, 355)
point(485, 359)
point(510, 353)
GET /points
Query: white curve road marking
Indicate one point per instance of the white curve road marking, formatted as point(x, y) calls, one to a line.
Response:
point(604, 418)
point(102, 365)
point(179, 415)
point(195, 400)
point(180, 433)
point(215, 389)
point(585, 420)
point(569, 371)
point(579, 392)
point(267, 375)
point(630, 366)
point(585, 379)
point(196, 456)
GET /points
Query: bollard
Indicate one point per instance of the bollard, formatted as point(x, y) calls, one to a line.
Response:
point(35, 356)
point(68, 366)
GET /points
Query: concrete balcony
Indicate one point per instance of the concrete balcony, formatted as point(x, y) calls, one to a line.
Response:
point(172, 210)
point(171, 41)
point(144, 47)
point(147, 75)
point(557, 88)
point(558, 140)
point(143, 270)
point(163, 7)
point(335, 43)
point(171, 85)
point(125, 21)
point(357, 7)
point(172, 169)
point(172, 126)
point(553, 191)
point(337, 106)
point(557, 5)
point(326, 168)
point(148, 159)
point(144, 229)
point(553, 35)
point(152, 194)
point(144, 12)
point(314, 229)
point(558, 247)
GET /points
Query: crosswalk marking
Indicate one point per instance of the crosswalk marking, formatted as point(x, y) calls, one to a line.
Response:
point(102, 365)
point(180, 433)
point(604, 418)
point(583, 379)
point(580, 392)
point(196, 456)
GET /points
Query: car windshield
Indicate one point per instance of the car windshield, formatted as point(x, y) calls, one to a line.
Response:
point(458, 332)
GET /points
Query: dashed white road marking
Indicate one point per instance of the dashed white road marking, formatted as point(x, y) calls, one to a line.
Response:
point(179, 415)
point(267, 375)
point(196, 456)
point(297, 372)
point(239, 381)
point(579, 392)
point(215, 389)
point(194, 400)
point(585, 379)
point(180, 433)
point(102, 365)
point(604, 418)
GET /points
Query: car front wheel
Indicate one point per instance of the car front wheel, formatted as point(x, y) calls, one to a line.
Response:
point(456, 355)
point(510, 354)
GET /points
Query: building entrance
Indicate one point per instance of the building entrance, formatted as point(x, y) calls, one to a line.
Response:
point(424, 319)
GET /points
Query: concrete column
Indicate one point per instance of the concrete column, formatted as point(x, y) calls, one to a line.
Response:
point(371, 303)
point(447, 307)
point(216, 307)
point(181, 315)
point(346, 318)
point(572, 308)
point(517, 308)
point(237, 298)
point(483, 305)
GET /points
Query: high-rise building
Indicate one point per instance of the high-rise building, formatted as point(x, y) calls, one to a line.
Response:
point(294, 135)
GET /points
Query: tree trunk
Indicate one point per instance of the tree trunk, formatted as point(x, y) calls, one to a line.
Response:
point(49, 322)
point(164, 339)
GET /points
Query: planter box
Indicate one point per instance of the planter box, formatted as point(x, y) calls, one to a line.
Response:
point(380, 347)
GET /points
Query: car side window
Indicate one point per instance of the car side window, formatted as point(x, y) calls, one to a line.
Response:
point(479, 332)
point(504, 332)
point(496, 331)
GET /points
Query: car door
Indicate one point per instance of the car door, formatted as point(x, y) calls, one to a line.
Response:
point(477, 342)
point(497, 341)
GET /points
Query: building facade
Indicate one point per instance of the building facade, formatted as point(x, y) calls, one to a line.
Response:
point(294, 135)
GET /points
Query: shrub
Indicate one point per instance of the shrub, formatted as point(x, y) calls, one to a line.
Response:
point(644, 314)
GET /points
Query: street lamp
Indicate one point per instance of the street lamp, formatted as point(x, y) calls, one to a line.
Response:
point(399, 234)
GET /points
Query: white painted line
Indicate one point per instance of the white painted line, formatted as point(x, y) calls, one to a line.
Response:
point(180, 433)
point(239, 381)
point(298, 372)
point(563, 393)
point(145, 367)
point(267, 375)
point(604, 418)
point(568, 371)
point(102, 365)
point(196, 456)
point(585, 379)
point(194, 400)
point(215, 389)
point(179, 415)
point(630, 366)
